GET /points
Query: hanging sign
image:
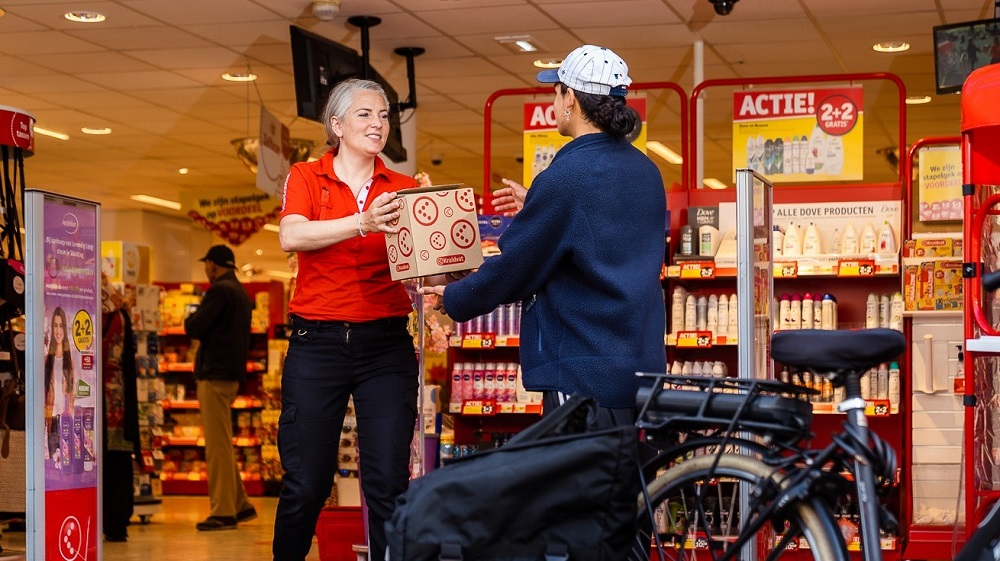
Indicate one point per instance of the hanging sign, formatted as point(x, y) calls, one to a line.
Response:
point(273, 155)
point(234, 216)
point(795, 136)
point(939, 190)
point(542, 139)
point(17, 129)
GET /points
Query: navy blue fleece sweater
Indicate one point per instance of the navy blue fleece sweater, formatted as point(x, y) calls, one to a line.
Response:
point(584, 257)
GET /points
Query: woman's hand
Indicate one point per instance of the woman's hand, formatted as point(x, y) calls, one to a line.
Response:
point(510, 199)
point(382, 215)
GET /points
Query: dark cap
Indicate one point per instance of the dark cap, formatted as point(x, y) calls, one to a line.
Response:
point(221, 256)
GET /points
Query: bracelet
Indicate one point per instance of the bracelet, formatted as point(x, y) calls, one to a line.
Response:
point(360, 231)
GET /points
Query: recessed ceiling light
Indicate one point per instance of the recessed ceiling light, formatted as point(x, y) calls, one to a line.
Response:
point(714, 183)
point(891, 47)
point(183, 171)
point(85, 17)
point(239, 76)
point(662, 151)
point(553, 63)
point(53, 134)
point(88, 130)
point(521, 43)
point(918, 99)
point(2, 12)
point(156, 201)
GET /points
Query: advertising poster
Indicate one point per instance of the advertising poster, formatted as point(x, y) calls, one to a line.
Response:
point(799, 136)
point(542, 140)
point(235, 216)
point(70, 384)
point(939, 183)
point(273, 155)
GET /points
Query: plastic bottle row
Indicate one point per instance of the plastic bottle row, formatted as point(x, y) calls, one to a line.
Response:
point(884, 311)
point(505, 320)
point(717, 369)
point(499, 381)
point(807, 311)
point(715, 313)
point(792, 241)
point(881, 383)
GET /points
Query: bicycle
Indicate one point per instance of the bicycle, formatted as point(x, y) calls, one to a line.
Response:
point(752, 431)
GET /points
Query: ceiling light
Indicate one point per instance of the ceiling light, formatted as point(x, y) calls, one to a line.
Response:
point(918, 99)
point(326, 10)
point(2, 12)
point(658, 148)
point(553, 63)
point(713, 183)
point(156, 201)
point(247, 147)
point(891, 47)
point(271, 228)
point(85, 17)
point(88, 130)
point(239, 77)
point(522, 43)
point(53, 134)
point(183, 171)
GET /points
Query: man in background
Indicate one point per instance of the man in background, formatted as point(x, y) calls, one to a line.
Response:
point(221, 324)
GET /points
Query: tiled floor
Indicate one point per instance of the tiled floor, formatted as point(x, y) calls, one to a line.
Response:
point(170, 535)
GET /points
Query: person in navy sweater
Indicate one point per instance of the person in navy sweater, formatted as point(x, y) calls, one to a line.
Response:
point(585, 252)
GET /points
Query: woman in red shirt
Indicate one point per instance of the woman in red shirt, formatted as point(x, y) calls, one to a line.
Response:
point(348, 325)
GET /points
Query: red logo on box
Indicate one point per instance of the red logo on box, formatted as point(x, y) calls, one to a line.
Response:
point(403, 267)
point(450, 259)
point(87, 362)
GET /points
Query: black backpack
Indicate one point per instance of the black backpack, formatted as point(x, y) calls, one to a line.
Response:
point(556, 491)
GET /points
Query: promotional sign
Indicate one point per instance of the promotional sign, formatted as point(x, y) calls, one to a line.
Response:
point(939, 183)
point(17, 129)
point(233, 217)
point(64, 387)
point(795, 136)
point(273, 155)
point(542, 140)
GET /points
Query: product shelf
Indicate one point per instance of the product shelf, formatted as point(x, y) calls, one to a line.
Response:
point(488, 407)
point(199, 441)
point(241, 402)
point(483, 341)
point(841, 266)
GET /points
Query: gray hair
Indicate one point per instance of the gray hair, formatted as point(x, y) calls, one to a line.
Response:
point(340, 100)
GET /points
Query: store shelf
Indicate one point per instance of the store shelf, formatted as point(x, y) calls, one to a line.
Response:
point(241, 402)
point(840, 266)
point(199, 441)
point(188, 367)
point(195, 484)
point(984, 344)
point(483, 341)
point(487, 408)
point(699, 339)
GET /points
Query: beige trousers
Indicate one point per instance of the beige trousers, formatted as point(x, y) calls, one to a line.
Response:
point(225, 488)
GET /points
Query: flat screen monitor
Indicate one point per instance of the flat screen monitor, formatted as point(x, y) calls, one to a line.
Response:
point(319, 64)
point(960, 48)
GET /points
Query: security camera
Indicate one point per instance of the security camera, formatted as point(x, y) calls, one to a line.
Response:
point(436, 159)
point(723, 7)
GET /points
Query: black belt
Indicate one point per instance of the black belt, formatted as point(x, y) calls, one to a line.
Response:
point(323, 324)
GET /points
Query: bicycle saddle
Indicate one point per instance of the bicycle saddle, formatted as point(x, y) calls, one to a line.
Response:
point(821, 350)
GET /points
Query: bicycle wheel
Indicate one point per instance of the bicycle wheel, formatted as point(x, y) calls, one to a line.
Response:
point(695, 504)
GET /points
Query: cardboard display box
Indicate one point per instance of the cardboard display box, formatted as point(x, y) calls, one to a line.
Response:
point(438, 232)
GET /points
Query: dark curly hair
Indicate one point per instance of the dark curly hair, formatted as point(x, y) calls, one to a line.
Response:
point(608, 113)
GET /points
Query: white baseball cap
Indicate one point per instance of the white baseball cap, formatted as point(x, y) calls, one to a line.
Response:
point(591, 69)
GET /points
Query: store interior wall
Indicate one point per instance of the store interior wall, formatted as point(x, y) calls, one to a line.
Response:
point(176, 243)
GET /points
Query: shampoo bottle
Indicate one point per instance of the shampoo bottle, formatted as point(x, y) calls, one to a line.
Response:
point(883, 311)
point(818, 312)
point(871, 311)
point(849, 241)
point(835, 248)
point(792, 244)
point(867, 240)
point(812, 243)
point(795, 313)
point(834, 163)
point(827, 321)
point(894, 386)
point(687, 240)
point(784, 312)
point(807, 311)
point(886, 240)
point(691, 313)
point(896, 311)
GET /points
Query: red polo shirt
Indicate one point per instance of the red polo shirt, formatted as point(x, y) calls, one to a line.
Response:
point(347, 281)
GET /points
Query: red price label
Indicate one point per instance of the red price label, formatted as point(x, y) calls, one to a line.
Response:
point(837, 115)
point(479, 407)
point(479, 341)
point(698, 270)
point(694, 339)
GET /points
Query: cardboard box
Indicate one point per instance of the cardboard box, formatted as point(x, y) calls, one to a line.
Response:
point(438, 232)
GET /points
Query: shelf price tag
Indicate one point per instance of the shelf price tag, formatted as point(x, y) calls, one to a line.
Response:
point(878, 408)
point(694, 339)
point(479, 407)
point(479, 341)
point(855, 268)
point(786, 270)
point(698, 270)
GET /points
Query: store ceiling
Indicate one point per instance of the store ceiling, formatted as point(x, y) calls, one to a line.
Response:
point(151, 72)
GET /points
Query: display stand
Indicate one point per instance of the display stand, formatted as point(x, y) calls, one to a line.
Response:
point(981, 193)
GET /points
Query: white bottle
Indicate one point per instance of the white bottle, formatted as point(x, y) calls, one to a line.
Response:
point(701, 309)
point(827, 314)
point(691, 313)
point(677, 310)
point(719, 369)
point(734, 319)
point(723, 319)
point(883, 311)
point(708, 240)
point(784, 312)
point(777, 241)
point(835, 249)
point(713, 314)
point(812, 242)
point(834, 163)
point(795, 313)
point(886, 240)
point(792, 244)
point(868, 242)
point(675, 368)
point(796, 155)
point(896, 311)
point(817, 149)
point(871, 311)
point(807, 311)
point(882, 382)
point(894, 386)
point(849, 241)
point(751, 153)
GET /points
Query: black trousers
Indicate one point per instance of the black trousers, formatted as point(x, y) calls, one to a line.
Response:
point(328, 362)
point(117, 493)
